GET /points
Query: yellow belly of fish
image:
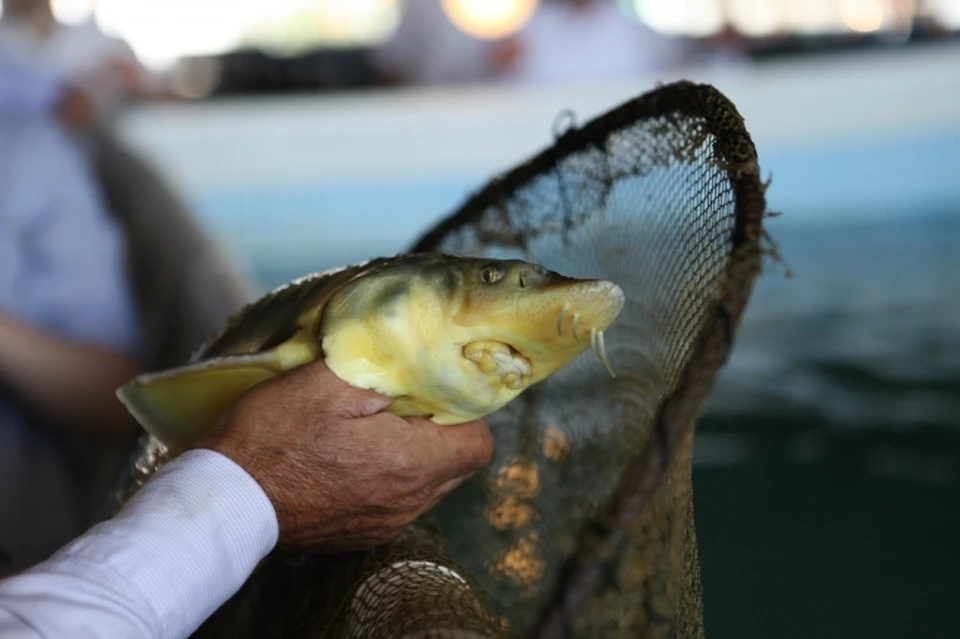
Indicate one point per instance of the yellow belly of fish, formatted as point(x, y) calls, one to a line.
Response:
point(437, 379)
point(436, 412)
point(447, 396)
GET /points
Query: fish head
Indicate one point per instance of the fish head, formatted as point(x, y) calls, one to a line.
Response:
point(542, 317)
point(456, 338)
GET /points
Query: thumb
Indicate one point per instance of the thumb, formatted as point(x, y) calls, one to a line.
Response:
point(355, 402)
point(349, 401)
point(461, 450)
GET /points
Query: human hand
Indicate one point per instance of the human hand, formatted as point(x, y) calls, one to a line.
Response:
point(76, 109)
point(341, 474)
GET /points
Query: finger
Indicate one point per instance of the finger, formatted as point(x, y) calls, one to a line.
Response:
point(443, 490)
point(356, 403)
point(459, 450)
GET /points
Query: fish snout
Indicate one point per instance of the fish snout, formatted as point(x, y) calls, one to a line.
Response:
point(600, 304)
point(590, 306)
point(611, 295)
point(610, 300)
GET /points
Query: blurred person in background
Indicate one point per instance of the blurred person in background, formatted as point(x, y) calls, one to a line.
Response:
point(96, 73)
point(586, 41)
point(428, 49)
point(68, 328)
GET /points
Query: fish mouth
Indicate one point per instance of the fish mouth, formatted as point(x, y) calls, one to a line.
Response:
point(501, 359)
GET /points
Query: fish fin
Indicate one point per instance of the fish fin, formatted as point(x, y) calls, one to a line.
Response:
point(179, 405)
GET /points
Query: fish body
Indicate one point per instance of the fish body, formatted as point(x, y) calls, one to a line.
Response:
point(449, 338)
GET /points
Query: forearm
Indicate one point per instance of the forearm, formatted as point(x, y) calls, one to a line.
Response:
point(71, 382)
point(179, 549)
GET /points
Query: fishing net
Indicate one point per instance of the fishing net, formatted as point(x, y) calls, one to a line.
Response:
point(583, 524)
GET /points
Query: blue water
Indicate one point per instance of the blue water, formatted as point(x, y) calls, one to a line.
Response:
point(289, 231)
point(891, 177)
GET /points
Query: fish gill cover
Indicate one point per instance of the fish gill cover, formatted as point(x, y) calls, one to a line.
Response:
point(582, 526)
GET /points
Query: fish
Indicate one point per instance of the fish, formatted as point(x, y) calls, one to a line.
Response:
point(449, 338)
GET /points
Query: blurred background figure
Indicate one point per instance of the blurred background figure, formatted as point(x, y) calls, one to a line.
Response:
point(428, 49)
point(102, 272)
point(68, 324)
point(315, 133)
point(587, 41)
point(97, 73)
point(68, 336)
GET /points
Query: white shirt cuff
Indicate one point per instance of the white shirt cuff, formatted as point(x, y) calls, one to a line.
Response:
point(180, 548)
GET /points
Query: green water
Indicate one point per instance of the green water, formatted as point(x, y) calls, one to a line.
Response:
point(859, 542)
point(827, 486)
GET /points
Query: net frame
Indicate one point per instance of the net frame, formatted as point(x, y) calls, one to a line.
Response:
point(601, 544)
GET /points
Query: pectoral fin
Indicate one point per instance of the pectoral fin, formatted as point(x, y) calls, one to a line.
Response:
point(179, 405)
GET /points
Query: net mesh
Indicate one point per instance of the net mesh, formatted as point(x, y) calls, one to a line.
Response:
point(583, 523)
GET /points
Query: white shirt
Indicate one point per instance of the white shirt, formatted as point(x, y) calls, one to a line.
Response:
point(175, 553)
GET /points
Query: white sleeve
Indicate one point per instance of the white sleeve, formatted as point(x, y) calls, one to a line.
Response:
point(181, 547)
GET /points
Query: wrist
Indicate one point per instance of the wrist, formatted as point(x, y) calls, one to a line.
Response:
point(185, 542)
point(248, 458)
point(209, 480)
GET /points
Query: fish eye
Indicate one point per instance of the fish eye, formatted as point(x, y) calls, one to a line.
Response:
point(491, 274)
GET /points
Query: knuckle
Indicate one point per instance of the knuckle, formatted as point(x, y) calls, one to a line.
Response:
point(478, 451)
point(419, 499)
point(397, 461)
point(378, 536)
point(389, 536)
point(390, 530)
point(406, 467)
point(406, 519)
